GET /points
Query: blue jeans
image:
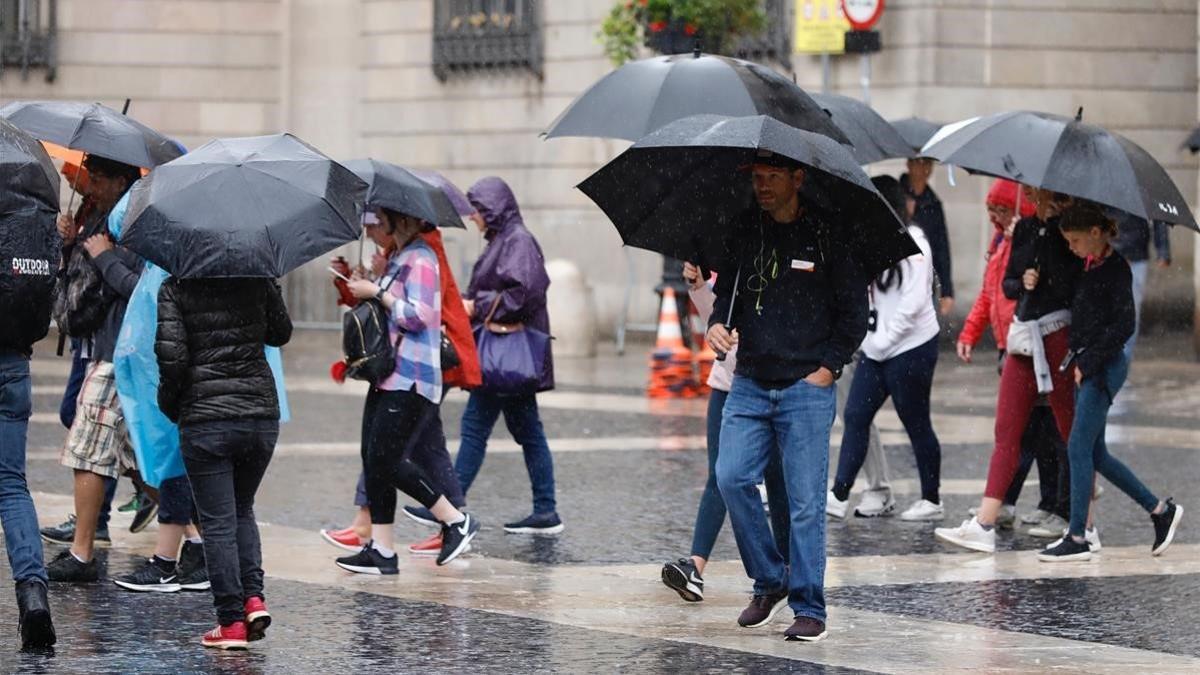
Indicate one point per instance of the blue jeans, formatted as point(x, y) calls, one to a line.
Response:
point(1087, 451)
point(797, 420)
point(711, 514)
point(17, 514)
point(523, 422)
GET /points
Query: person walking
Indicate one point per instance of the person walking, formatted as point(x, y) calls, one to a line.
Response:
point(686, 575)
point(1133, 243)
point(800, 313)
point(508, 286)
point(1103, 320)
point(898, 359)
point(929, 215)
point(1041, 276)
point(400, 408)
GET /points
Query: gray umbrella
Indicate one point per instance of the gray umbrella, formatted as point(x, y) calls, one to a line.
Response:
point(916, 131)
point(872, 138)
point(243, 207)
point(642, 96)
point(1064, 155)
point(397, 189)
point(94, 129)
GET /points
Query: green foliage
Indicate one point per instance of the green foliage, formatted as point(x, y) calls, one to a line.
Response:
point(715, 22)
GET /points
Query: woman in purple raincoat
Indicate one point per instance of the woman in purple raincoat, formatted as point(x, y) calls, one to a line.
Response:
point(508, 286)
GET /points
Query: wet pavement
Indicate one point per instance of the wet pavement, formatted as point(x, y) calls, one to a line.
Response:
point(629, 474)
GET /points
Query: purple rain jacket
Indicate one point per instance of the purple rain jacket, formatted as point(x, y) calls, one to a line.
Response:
point(511, 266)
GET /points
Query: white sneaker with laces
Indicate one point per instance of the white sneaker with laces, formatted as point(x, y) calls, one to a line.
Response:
point(1050, 528)
point(1035, 518)
point(923, 510)
point(835, 507)
point(876, 503)
point(969, 535)
point(1004, 519)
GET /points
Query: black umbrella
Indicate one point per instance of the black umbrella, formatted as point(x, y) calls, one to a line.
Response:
point(916, 132)
point(94, 129)
point(28, 180)
point(681, 190)
point(642, 96)
point(398, 189)
point(243, 207)
point(872, 138)
point(1064, 155)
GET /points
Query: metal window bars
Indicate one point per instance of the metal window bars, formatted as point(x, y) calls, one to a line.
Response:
point(486, 35)
point(29, 36)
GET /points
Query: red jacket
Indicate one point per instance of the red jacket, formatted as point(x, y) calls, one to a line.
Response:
point(454, 318)
point(991, 307)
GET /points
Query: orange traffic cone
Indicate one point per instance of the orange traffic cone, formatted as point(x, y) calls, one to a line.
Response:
point(671, 370)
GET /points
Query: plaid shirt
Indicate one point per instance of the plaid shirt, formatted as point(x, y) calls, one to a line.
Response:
point(417, 314)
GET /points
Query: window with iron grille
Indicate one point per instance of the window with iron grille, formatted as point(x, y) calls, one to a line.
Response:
point(482, 35)
point(775, 41)
point(28, 35)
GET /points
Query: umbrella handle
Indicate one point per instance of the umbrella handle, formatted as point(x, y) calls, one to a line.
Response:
point(737, 280)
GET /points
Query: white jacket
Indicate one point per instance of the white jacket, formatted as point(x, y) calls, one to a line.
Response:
point(906, 316)
point(721, 376)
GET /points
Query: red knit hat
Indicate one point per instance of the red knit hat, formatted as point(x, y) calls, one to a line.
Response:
point(1004, 193)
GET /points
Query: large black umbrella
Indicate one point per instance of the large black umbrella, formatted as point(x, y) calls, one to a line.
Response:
point(94, 129)
point(28, 180)
point(642, 96)
point(681, 190)
point(398, 189)
point(1064, 155)
point(872, 138)
point(916, 132)
point(243, 207)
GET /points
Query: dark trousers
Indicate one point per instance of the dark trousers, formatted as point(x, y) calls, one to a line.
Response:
point(225, 463)
point(1041, 443)
point(392, 427)
point(431, 455)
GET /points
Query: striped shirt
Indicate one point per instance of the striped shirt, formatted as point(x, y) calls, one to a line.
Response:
point(417, 313)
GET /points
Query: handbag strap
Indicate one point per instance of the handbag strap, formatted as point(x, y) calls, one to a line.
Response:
point(501, 328)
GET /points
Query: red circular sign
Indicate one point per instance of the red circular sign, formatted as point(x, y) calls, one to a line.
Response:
point(862, 14)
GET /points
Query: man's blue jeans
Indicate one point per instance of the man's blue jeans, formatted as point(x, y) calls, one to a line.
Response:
point(1087, 450)
point(523, 422)
point(17, 514)
point(797, 419)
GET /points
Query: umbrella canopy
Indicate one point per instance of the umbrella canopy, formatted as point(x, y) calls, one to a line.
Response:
point(642, 96)
point(27, 175)
point(243, 207)
point(681, 190)
point(455, 195)
point(1193, 141)
point(398, 189)
point(1064, 155)
point(92, 128)
point(916, 132)
point(872, 138)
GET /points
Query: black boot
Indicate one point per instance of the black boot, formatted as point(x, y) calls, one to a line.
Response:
point(37, 630)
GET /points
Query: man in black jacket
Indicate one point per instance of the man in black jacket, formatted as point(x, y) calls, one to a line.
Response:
point(799, 313)
point(26, 282)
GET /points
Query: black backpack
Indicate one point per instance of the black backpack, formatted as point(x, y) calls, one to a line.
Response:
point(81, 298)
point(367, 345)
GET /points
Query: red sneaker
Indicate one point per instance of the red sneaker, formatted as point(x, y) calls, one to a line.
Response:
point(257, 618)
point(232, 636)
point(344, 539)
point(430, 546)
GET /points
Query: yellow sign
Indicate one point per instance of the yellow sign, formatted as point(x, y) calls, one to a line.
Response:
point(820, 27)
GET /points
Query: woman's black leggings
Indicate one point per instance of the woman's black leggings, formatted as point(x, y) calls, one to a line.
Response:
point(392, 425)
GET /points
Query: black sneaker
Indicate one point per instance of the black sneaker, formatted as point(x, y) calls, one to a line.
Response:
point(805, 629)
point(1165, 525)
point(762, 609)
point(369, 561)
point(63, 534)
point(538, 523)
point(147, 509)
point(457, 538)
point(1066, 550)
point(33, 615)
point(681, 576)
point(66, 568)
point(192, 569)
point(422, 515)
point(156, 576)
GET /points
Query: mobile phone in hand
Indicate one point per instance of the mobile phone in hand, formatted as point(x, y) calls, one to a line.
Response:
point(338, 274)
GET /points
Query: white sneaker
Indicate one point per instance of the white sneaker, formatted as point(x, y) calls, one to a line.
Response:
point(1005, 519)
point(1035, 518)
point(1050, 528)
point(835, 507)
point(876, 503)
point(923, 510)
point(969, 535)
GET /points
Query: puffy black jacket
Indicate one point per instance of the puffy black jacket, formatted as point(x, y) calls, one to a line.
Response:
point(209, 345)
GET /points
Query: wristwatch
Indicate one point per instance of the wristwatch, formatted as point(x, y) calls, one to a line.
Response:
point(379, 294)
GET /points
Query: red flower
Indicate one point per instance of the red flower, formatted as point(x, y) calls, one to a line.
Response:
point(689, 29)
point(643, 3)
point(338, 371)
point(658, 26)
